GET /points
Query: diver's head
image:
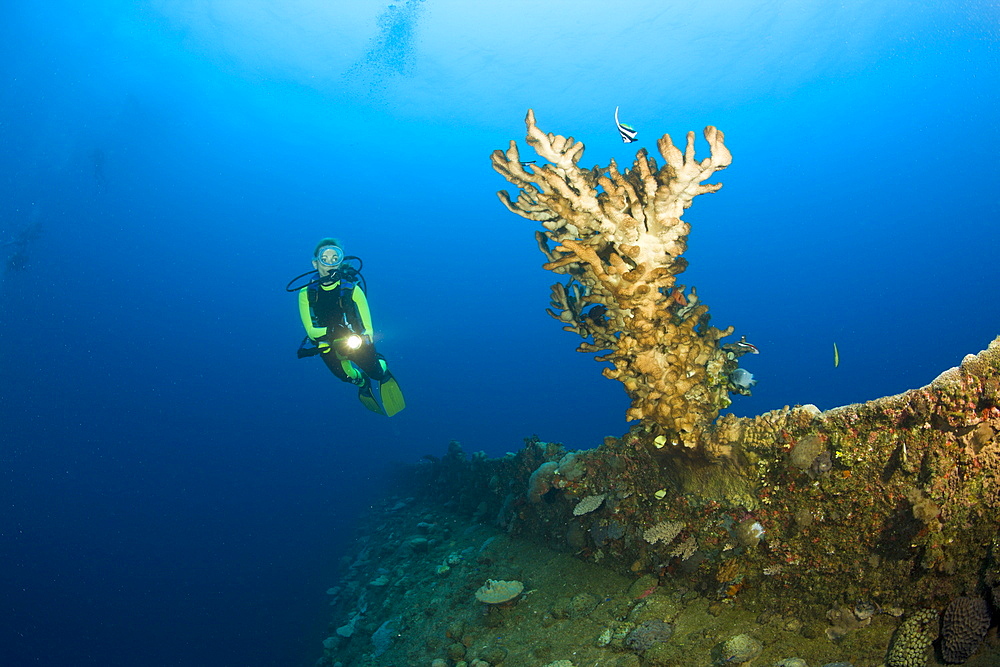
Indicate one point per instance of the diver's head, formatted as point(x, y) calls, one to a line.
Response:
point(328, 256)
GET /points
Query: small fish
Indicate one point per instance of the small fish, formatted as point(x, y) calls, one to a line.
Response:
point(628, 134)
point(595, 314)
point(742, 378)
point(646, 593)
point(740, 347)
point(836, 356)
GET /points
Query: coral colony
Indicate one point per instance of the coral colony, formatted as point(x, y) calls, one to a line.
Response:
point(620, 239)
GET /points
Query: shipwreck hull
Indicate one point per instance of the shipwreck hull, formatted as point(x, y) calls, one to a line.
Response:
point(895, 501)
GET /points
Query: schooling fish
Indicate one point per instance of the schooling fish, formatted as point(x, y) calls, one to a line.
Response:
point(628, 134)
point(836, 356)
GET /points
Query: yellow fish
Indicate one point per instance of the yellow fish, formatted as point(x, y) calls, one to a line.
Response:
point(836, 356)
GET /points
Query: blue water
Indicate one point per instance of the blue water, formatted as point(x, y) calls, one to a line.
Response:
point(177, 487)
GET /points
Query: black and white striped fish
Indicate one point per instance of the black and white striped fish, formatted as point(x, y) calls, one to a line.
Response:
point(628, 134)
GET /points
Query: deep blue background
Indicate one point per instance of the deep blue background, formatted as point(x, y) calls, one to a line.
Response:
point(176, 486)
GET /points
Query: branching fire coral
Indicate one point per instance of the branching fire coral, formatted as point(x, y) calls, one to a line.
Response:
point(619, 237)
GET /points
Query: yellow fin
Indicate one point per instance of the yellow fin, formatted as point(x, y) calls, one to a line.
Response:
point(367, 397)
point(392, 397)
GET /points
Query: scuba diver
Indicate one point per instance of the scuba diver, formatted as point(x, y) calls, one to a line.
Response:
point(338, 324)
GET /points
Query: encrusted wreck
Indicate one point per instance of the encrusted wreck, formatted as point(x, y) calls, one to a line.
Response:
point(898, 498)
point(895, 501)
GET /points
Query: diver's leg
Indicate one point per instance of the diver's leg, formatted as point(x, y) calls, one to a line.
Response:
point(388, 391)
point(371, 362)
point(348, 372)
point(374, 365)
point(342, 368)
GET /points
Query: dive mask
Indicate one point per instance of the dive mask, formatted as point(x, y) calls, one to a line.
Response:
point(330, 256)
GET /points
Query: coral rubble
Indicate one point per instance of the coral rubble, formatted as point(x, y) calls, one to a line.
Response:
point(619, 237)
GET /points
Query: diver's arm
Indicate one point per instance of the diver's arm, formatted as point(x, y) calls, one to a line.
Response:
point(305, 312)
point(361, 301)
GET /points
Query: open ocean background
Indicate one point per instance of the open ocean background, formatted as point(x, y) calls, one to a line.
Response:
point(176, 487)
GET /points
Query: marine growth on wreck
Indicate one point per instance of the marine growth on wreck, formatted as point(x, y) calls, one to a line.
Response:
point(864, 535)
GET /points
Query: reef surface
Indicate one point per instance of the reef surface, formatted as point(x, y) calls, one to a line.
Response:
point(817, 536)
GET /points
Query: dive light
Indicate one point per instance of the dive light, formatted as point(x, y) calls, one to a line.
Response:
point(354, 341)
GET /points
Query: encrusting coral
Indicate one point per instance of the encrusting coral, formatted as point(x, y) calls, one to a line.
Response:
point(619, 237)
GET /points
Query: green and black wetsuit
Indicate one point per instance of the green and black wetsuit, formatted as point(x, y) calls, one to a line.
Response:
point(331, 311)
